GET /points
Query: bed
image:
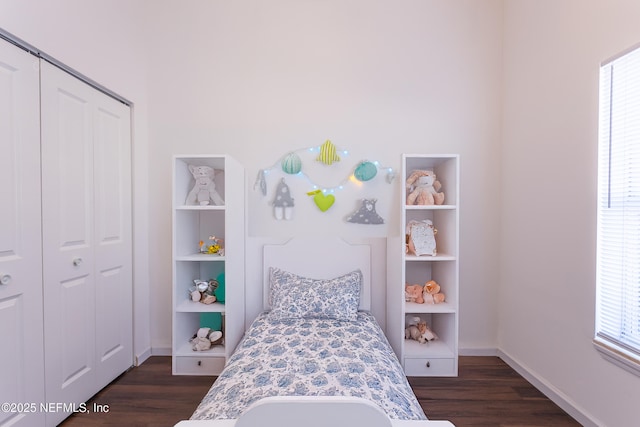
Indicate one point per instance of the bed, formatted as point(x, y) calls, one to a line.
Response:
point(316, 356)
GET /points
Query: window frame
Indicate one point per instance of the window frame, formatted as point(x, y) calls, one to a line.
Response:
point(612, 349)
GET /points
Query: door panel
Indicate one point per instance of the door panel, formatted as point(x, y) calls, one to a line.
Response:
point(74, 178)
point(22, 367)
point(77, 359)
point(113, 248)
point(68, 258)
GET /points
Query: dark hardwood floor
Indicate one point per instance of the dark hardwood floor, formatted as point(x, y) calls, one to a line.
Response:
point(487, 392)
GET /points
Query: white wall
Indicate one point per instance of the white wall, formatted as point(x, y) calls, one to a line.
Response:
point(547, 275)
point(257, 79)
point(100, 40)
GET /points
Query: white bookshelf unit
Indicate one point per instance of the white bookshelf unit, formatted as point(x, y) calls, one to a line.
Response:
point(438, 357)
point(193, 223)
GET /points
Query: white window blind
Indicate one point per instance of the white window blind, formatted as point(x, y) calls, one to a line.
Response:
point(618, 264)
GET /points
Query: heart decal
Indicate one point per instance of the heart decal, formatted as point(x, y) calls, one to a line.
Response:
point(322, 202)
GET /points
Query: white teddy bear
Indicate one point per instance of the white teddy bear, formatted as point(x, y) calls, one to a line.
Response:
point(204, 188)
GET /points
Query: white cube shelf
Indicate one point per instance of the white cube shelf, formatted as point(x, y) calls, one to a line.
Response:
point(439, 357)
point(193, 223)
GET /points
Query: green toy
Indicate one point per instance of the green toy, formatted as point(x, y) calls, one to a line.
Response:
point(219, 291)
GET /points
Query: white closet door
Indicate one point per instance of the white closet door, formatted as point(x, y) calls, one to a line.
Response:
point(68, 240)
point(113, 244)
point(86, 237)
point(22, 362)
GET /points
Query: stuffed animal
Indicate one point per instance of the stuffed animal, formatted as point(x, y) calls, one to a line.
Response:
point(215, 247)
point(204, 188)
point(205, 338)
point(411, 319)
point(423, 188)
point(418, 330)
point(204, 291)
point(413, 293)
point(421, 238)
point(432, 294)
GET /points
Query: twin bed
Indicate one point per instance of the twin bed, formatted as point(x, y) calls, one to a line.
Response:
point(316, 356)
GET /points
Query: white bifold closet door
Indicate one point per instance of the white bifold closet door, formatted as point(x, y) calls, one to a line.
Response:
point(87, 248)
point(21, 357)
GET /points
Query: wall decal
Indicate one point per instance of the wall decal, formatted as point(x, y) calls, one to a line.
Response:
point(283, 202)
point(366, 214)
point(328, 153)
point(261, 182)
point(322, 201)
point(308, 167)
point(291, 164)
point(365, 171)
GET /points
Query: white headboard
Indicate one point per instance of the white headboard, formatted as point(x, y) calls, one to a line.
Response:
point(319, 258)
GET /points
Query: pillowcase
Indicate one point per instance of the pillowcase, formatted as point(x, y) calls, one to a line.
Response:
point(296, 297)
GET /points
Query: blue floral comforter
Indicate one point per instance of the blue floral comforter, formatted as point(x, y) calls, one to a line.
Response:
point(311, 357)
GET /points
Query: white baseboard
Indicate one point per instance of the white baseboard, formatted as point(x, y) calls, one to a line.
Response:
point(478, 352)
point(161, 351)
point(555, 395)
point(140, 358)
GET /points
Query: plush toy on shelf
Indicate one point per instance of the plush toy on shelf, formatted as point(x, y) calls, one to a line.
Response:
point(204, 291)
point(421, 238)
point(413, 293)
point(215, 246)
point(205, 338)
point(204, 188)
point(432, 294)
point(423, 188)
point(219, 291)
point(418, 330)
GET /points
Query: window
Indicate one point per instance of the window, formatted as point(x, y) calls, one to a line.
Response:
point(618, 264)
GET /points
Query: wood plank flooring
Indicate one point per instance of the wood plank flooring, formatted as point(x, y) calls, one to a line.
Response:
point(487, 392)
